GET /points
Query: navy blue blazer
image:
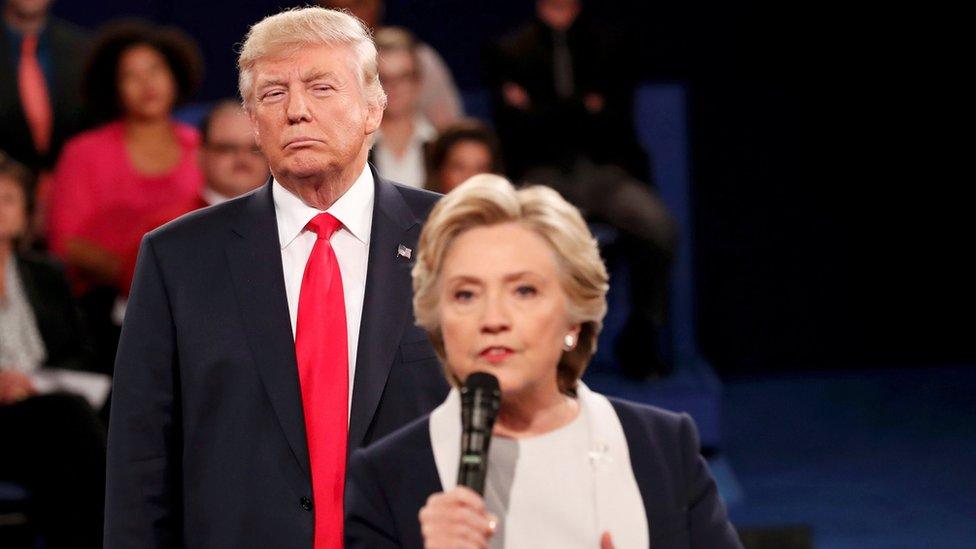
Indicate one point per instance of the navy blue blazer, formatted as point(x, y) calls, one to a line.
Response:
point(207, 442)
point(388, 482)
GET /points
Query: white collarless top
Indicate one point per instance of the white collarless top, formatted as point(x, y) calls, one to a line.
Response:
point(354, 210)
point(591, 453)
point(542, 490)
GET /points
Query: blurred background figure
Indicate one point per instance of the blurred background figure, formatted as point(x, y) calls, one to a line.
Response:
point(401, 142)
point(114, 179)
point(41, 62)
point(439, 98)
point(563, 100)
point(563, 92)
point(463, 149)
point(231, 164)
point(230, 159)
point(53, 443)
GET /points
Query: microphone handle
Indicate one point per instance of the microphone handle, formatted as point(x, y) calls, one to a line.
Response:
point(474, 460)
point(478, 418)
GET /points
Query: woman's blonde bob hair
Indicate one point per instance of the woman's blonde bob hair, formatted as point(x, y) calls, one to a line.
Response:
point(292, 29)
point(486, 200)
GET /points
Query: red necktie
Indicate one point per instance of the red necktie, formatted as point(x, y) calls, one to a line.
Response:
point(320, 346)
point(33, 95)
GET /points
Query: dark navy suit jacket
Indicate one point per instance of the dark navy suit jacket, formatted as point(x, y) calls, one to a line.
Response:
point(207, 442)
point(390, 481)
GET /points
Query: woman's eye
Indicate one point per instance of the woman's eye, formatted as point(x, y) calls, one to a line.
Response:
point(463, 296)
point(526, 291)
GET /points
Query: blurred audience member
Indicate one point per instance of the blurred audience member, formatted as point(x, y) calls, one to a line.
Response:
point(39, 323)
point(53, 444)
point(40, 73)
point(231, 161)
point(439, 98)
point(562, 91)
point(564, 110)
point(464, 149)
point(401, 141)
point(112, 180)
point(41, 61)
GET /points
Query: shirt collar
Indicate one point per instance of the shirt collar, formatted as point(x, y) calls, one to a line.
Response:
point(354, 210)
point(212, 197)
point(15, 37)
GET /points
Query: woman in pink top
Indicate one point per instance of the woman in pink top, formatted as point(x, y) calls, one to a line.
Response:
point(117, 181)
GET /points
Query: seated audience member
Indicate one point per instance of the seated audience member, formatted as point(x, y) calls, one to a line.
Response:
point(510, 282)
point(231, 163)
point(114, 178)
point(53, 443)
point(562, 91)
point(230, 159)
point(41, 61)
point(399, 151)
point(464, 149)
point(439, 98)
point(563, 108)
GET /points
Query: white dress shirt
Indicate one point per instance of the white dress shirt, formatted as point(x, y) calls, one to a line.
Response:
point(411, 168)
point(354, 210)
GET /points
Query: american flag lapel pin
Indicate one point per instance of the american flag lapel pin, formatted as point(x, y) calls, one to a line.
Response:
point(404, 252)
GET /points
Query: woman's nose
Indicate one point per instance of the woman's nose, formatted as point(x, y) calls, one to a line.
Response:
point(495, 315)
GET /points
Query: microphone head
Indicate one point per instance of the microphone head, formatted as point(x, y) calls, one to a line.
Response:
point(481, 380)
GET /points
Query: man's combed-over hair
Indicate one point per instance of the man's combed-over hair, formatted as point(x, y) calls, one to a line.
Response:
point(486, 200)
point(292, 29)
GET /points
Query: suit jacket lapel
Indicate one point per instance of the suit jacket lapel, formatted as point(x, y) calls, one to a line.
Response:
point(386, 304)
point(254, 255)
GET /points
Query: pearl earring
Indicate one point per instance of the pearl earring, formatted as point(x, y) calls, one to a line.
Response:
point(569, 342)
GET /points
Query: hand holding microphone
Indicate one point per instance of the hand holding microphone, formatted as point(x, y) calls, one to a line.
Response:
point(458, 518)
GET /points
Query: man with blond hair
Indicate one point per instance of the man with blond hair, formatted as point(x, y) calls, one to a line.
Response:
point(268, 336)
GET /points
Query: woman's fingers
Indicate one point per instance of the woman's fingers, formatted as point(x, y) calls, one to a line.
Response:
point(456, 519)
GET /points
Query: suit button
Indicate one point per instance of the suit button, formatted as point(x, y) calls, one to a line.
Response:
point(306, 503)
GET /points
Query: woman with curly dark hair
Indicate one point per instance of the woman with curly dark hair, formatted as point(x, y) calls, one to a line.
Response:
point(111, 182)
point(463, 149)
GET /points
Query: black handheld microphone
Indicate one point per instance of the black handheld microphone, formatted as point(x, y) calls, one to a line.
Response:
point(480, 398)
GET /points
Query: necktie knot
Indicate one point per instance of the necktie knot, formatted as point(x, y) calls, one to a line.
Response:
point(323, 225)
point(28, 45)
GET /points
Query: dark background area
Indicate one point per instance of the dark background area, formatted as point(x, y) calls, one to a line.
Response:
point(825, 234)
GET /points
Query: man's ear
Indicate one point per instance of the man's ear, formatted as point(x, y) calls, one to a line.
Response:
point(374, 115)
